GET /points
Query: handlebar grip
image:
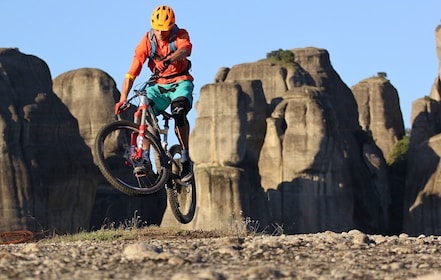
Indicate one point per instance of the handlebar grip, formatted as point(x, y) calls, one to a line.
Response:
point(124, 107)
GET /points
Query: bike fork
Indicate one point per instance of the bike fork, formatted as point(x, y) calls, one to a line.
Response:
point(138, 139)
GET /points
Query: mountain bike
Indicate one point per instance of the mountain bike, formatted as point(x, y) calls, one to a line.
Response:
point(120, 148)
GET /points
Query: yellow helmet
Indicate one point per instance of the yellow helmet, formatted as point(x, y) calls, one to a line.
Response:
point(163, 18)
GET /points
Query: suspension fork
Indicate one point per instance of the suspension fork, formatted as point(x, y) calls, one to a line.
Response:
point(138, 139)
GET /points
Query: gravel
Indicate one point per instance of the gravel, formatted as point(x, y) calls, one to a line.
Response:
point(327, 255)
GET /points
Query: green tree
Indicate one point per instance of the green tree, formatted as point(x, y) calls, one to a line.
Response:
point(284, 56)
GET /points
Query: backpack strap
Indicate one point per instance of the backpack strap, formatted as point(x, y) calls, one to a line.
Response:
point(172, 40)
point(172, 43)
point(152, 39)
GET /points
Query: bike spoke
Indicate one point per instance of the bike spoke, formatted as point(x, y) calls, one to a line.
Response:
point(118, 160)
point(181, 195)
point(121, 164)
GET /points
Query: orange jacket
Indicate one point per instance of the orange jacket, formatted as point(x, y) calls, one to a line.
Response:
point(142, 53)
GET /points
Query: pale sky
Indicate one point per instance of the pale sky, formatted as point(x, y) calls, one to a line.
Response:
point(362, 37)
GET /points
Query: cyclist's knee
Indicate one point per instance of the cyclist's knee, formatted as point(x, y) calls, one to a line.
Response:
point(180, 107)
point(180, 116)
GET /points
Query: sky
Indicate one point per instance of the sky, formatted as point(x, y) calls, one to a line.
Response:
point(362, 37)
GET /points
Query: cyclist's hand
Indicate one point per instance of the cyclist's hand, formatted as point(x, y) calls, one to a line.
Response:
point(118, 108)
point(162, 65)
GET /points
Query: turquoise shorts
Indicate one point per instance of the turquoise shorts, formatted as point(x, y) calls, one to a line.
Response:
point(162, 95)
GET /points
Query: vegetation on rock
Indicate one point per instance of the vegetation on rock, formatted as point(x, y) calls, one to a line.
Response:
point(282, 57)
point(399, 152)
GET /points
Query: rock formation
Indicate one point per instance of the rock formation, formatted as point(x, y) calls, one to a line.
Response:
point(44, 163)
point(422, 201)
point(379, 111)
point(277, 146)
point(225, 145)
point(90, 95)
point(309, 156)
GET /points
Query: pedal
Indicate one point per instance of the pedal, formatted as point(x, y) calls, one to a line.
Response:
point(140, 171)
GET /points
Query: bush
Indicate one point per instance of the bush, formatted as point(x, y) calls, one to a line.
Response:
point(284, 56)
point(399, 151)
point(382, 75)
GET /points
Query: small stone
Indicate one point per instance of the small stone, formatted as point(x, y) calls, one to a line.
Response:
point(176, 260)
point(31, 247)
point(140, 251)
point(360, 238)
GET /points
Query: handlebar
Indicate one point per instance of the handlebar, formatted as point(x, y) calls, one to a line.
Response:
point(152, 80)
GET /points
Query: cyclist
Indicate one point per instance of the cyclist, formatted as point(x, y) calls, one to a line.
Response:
point(166, 47)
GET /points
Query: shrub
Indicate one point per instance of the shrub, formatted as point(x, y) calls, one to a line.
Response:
point(399, 151)
point(382, 75)
point(284, 56)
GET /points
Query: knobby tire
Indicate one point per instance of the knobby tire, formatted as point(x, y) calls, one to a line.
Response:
point(112, 146)
point(181, 196)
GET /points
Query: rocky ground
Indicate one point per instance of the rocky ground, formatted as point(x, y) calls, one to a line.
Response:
point(328, 255)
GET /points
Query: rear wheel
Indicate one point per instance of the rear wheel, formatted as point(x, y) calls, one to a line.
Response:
point(181, 195)
point(116, 162)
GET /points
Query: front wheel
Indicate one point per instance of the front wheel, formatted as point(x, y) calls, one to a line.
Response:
point(181, 195)
point(114, 153)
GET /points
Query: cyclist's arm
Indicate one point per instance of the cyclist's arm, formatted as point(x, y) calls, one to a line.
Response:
point(178, 55)
point(126, 86)
point(183, 46)
point(141, 53)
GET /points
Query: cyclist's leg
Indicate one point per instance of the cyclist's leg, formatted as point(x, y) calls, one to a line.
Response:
point(181, 104)
point(184, 89)
point(180, 107)
point(158, 103)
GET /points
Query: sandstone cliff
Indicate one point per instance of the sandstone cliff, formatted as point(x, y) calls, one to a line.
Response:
point(379, 111)
point(90, 94)
point(422, 201)
point(285, 147)
point(45, 180)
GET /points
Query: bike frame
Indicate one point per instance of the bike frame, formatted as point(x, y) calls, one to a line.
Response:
point(140, 117)
point(145, 133)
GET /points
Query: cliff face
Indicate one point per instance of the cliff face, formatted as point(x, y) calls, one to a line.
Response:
point(314, 167)
point(90, 95)
point(44, 162)
point(379, 111)
point(422, 201)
